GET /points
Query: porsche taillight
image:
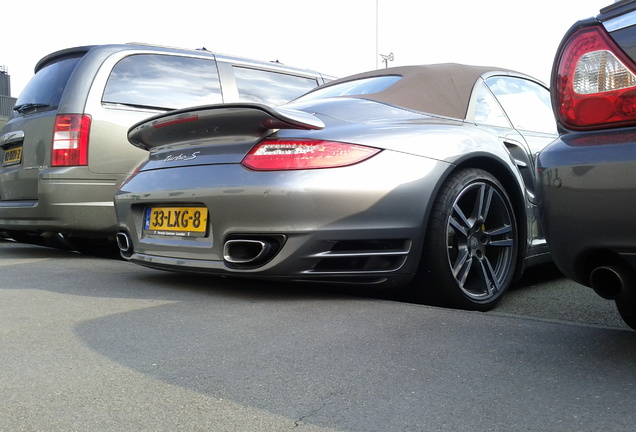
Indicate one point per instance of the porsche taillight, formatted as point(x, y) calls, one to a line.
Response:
point(70, 140)
point(595, 82)
point(300, 154)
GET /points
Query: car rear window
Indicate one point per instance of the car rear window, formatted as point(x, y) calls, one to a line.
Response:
point(47, 85)
point(351, 88)
point(269, 87)
point(163, 81)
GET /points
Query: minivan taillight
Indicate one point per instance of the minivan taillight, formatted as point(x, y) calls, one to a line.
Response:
point(70, 140)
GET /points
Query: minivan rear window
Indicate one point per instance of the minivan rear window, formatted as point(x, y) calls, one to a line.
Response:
point(47, 85)
point(163, 81)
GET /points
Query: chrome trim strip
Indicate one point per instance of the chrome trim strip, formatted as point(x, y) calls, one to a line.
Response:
point(86, 204)
point(332, 254)
point(620, 22)
point(353, 272)
point(18, 204)
point(11, 138)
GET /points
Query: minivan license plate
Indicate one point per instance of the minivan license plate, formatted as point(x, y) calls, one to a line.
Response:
point(176, 221)
point(12, 156)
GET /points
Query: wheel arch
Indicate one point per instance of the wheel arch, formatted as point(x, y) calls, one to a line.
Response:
point(516, 194)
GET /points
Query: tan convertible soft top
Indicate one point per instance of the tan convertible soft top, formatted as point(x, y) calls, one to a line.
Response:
point(442, 89)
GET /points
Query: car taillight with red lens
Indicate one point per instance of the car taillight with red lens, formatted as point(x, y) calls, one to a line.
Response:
point(595, 82)
point(70, 140)
point(300, 154)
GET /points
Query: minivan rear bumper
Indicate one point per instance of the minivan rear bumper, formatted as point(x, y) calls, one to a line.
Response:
point(91, 218)
point(65, 205)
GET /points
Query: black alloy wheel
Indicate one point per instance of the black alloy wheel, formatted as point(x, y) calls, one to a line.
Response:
point(471, 244)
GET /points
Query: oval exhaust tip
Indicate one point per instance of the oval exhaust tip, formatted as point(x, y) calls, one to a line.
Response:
point(244, 251)
point(124, 244)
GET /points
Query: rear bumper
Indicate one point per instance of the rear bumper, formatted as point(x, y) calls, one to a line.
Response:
point(304, 267)
point(65, 205)
point(586, 189)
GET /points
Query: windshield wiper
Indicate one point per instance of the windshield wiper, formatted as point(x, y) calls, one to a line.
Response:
point(29, 106)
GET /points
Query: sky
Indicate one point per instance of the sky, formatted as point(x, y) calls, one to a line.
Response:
point(335, 37)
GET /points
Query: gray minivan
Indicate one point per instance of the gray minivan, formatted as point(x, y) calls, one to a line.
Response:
point(64, 150)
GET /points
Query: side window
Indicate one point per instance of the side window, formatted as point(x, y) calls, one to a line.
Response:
point(271, 88)
point(526, 103)
point(488, 111)
point(163, 81)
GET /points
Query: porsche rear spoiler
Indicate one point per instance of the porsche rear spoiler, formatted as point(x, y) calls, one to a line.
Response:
point(236, 122)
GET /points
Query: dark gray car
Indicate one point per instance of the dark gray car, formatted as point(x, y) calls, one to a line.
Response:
point(64, 151)
point(417, 176)
point(587, 178)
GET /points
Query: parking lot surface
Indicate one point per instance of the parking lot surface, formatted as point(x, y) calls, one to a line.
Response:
point(90, 344)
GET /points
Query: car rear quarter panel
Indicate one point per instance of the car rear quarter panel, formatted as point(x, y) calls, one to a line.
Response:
point(455, 143)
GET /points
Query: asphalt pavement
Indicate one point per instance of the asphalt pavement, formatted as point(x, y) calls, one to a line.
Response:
point(90, 344)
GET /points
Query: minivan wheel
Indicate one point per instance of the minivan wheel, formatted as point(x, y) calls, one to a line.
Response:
point(470, 249)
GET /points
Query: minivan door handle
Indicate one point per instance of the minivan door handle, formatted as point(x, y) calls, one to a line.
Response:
point(11, 138)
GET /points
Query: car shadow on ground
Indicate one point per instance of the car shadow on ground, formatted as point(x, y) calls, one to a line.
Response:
point(245, 286)
point(542, 293)
point(537, 275)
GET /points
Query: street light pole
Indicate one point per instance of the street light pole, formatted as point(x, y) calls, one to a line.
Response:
point(377, 48)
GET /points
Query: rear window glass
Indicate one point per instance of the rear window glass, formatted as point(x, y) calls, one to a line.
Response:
point(47, 85)
point(162, 81)
point(356, 87)
point(271, 88)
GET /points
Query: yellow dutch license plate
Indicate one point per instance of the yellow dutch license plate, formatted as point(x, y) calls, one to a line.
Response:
point(176, 221)
point(12, 156)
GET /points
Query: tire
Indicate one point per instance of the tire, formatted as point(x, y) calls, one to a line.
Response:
point(470, 250)
point(626, 305)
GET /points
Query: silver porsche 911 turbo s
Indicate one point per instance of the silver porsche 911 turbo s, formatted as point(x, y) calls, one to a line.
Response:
point(419, 178)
